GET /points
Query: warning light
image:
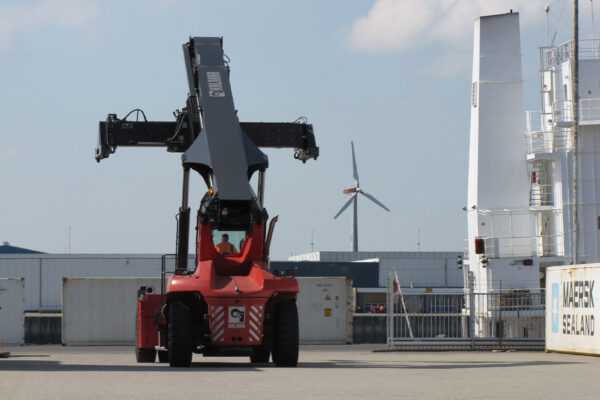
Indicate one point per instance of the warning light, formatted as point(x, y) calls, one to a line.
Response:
point(211, 191)
point(533, 177)
point(528, 261)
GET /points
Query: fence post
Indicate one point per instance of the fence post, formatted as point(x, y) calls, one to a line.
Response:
point(472, 314)
point(390, 312)
point(501, 324)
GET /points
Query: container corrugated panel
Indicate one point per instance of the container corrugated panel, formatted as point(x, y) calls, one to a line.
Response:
point(101, 311)
point(27, 267)
point(12, 310)
point(573, 309)
point(325, 308)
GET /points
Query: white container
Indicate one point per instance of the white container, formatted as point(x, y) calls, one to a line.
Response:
point(573, 309)
point(101, 311)
point(12, 310)
point(325, 308)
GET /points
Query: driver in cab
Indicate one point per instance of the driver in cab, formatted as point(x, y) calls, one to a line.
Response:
point(225, 248)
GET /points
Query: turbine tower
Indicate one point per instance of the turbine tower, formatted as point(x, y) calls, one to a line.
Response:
point(353, 192)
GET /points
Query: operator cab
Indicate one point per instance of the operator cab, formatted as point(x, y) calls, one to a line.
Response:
point(229, 242)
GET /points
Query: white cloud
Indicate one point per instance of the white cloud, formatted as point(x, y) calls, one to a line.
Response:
point(450, 64)
point(27, 18)
point(399, 25)
point(9, 153)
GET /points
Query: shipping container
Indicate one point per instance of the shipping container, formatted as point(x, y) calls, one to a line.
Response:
point(572, 309)
point(101, 311)
point(325, 308)
point(12, 310)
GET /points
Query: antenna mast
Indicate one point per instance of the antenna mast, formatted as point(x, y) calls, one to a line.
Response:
point(547, 9)
point(575, 250)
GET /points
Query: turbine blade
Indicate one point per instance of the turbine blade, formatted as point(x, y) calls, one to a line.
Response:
point(345, 206)
point(374, 200)
point(354, 168)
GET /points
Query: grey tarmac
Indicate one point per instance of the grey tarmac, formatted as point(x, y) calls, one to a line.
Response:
point(324, 372)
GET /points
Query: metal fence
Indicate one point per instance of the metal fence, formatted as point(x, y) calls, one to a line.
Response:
point(470, 320)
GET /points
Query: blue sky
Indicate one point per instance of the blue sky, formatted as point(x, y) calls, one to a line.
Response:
point(391, 75)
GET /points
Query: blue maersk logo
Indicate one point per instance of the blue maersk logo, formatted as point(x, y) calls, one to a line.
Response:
point(555, 298)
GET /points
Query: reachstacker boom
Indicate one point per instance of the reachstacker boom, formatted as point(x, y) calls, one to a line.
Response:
point(229, 304)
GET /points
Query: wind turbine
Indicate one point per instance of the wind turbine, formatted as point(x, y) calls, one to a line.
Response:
point(354, 192)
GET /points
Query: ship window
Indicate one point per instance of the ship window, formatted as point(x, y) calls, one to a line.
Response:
point(474, 94)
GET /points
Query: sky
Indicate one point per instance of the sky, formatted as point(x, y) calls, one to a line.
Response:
point(391, 75)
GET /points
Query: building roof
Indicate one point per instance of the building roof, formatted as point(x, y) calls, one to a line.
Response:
point(6, 248)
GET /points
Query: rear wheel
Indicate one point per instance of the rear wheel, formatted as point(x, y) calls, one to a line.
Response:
point(142, 355)
point(260, 355)
point(179, 335)
point(286, 342)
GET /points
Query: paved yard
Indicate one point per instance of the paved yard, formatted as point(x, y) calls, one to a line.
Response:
point(324, 372)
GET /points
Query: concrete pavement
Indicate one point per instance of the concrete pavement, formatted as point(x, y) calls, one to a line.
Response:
point(324, 372)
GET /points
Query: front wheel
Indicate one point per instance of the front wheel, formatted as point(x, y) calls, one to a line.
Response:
point(286, 340)
point(179, 335)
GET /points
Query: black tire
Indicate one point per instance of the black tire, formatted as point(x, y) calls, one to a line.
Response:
point(142, 355)
point(286, 342)
point(163, 356)
point(179, 335)
point(260, 355)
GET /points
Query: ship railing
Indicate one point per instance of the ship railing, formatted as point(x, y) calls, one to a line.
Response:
point(525, 246)
point(507, 233)
point(549, 141)
point(541, 195)
point(533, 121)
point(562, 113)
point(589, 49)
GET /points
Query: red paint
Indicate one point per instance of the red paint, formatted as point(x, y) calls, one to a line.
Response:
point(241, 281)
point(147, 307)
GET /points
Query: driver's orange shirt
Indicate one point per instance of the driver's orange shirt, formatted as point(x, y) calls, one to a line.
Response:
point(226, 248)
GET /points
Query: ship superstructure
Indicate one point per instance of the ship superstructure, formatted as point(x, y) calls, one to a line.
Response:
point(533, 198)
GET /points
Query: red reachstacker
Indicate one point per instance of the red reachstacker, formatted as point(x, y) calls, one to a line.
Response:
point(230, 304)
